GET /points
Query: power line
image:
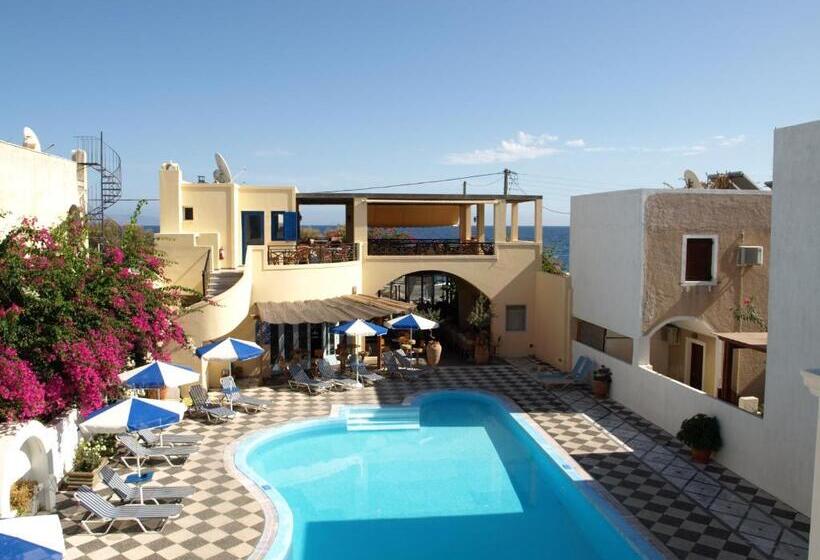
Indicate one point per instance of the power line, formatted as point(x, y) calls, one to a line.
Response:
point(413, 184)
point(547, 208)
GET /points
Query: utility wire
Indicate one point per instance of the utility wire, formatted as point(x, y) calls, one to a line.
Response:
point(413, 184)
point(547, 208)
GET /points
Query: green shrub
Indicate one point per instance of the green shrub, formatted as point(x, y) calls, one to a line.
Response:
point(701, 432)
point(91, 452)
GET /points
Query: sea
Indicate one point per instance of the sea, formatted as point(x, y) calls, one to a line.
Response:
point(556, 237)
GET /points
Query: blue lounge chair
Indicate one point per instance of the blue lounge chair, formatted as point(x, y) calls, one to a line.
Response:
point(578, 376)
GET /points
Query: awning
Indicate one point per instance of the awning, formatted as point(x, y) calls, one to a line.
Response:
point(753, 340)
point(332, 310)
point(412, 215)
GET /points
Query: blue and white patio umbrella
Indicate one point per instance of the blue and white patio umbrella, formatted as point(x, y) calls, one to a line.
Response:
point(37, 537)
point(157, 375)
point(132, 414)
point(412, 322)
point(359, 328)
point(230, 350)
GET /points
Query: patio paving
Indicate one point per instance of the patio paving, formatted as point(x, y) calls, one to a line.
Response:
point(697, 511)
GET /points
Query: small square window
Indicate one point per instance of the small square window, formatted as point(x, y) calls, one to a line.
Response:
point(516, 318)
point(699, 259)
point(187, 213)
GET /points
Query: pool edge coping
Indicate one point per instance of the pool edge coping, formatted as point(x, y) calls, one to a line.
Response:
point(612, 510)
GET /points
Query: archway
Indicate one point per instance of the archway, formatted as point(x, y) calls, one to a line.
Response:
point(30, 453)
point(685, 349)
point(446, 298)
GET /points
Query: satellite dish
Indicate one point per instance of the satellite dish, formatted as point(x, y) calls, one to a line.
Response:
point(30, 140)
point(223, 172)
point(691, 180)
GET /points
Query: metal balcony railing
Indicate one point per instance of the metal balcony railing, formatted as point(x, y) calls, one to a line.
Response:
point(432, 247)
point(313, 254)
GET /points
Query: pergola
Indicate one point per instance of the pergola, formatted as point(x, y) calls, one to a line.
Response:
point(732, 341)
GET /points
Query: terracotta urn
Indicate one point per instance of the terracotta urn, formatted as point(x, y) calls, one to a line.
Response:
point(433, 353)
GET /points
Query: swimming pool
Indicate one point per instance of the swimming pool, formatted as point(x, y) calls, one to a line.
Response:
point(475, 478)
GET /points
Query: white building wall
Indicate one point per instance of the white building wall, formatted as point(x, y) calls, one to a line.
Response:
point(794, 310)
point(606, 244)
point(35, 184)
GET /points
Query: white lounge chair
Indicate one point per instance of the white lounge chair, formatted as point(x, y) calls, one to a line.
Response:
point(128, 494)
point(328, 374)
point(106, 512)
point(212, 411)
point(299, 380)
point(235, 397)
point(140, 453)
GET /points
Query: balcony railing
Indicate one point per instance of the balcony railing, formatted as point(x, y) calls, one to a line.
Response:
point(433, 247)
point(313, 254)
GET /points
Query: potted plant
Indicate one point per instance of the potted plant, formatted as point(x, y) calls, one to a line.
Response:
point(480, 319)
point(91, 455)
point(702, 434)
point(24, 497)
point(601, 380)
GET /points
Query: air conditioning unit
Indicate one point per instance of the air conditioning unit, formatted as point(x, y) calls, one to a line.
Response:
point(749, 255)
point(672, 335)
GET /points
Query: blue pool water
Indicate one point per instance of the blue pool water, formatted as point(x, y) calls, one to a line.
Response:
point(472, 482)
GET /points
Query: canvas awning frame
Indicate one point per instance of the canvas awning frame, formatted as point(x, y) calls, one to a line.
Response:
point(331, 310)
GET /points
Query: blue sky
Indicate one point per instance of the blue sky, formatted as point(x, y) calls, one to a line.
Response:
point(576, 96)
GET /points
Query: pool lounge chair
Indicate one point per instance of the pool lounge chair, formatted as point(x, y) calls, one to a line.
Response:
point(333, 361)
point(578, 376)
point(127, 493)
point(106, 512)
point(300, 380)
point(235, 397)
point(151, 438)
point(395, 370)
point(212, 411)
point(140, 453)
point(403, 359)
point(328, 374)
point(369, 376)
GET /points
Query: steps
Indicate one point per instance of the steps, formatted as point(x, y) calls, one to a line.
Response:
point(221, 280)
point(383, 418)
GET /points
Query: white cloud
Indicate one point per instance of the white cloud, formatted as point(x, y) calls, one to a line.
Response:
point(729, 141)
point(578, 143)
point(522, 146)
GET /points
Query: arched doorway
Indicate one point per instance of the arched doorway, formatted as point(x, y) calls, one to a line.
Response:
point(446, 298)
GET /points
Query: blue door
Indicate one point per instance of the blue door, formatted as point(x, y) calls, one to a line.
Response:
point(253, 230)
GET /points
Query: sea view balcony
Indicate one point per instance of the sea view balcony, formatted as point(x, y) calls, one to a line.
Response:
point(313, 253)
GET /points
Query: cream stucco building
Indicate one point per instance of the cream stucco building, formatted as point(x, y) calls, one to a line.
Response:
point(245, 240)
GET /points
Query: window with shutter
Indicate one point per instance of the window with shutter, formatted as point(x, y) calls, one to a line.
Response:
point(699, 261)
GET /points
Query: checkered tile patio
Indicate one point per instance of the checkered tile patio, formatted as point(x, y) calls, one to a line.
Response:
point(696, 511)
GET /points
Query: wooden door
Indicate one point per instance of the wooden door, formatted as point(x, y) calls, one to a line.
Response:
point(696, 366)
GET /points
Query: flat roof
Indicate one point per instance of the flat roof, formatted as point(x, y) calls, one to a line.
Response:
point(339, 197)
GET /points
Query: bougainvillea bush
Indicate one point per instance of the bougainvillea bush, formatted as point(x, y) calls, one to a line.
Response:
point(73, 316)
